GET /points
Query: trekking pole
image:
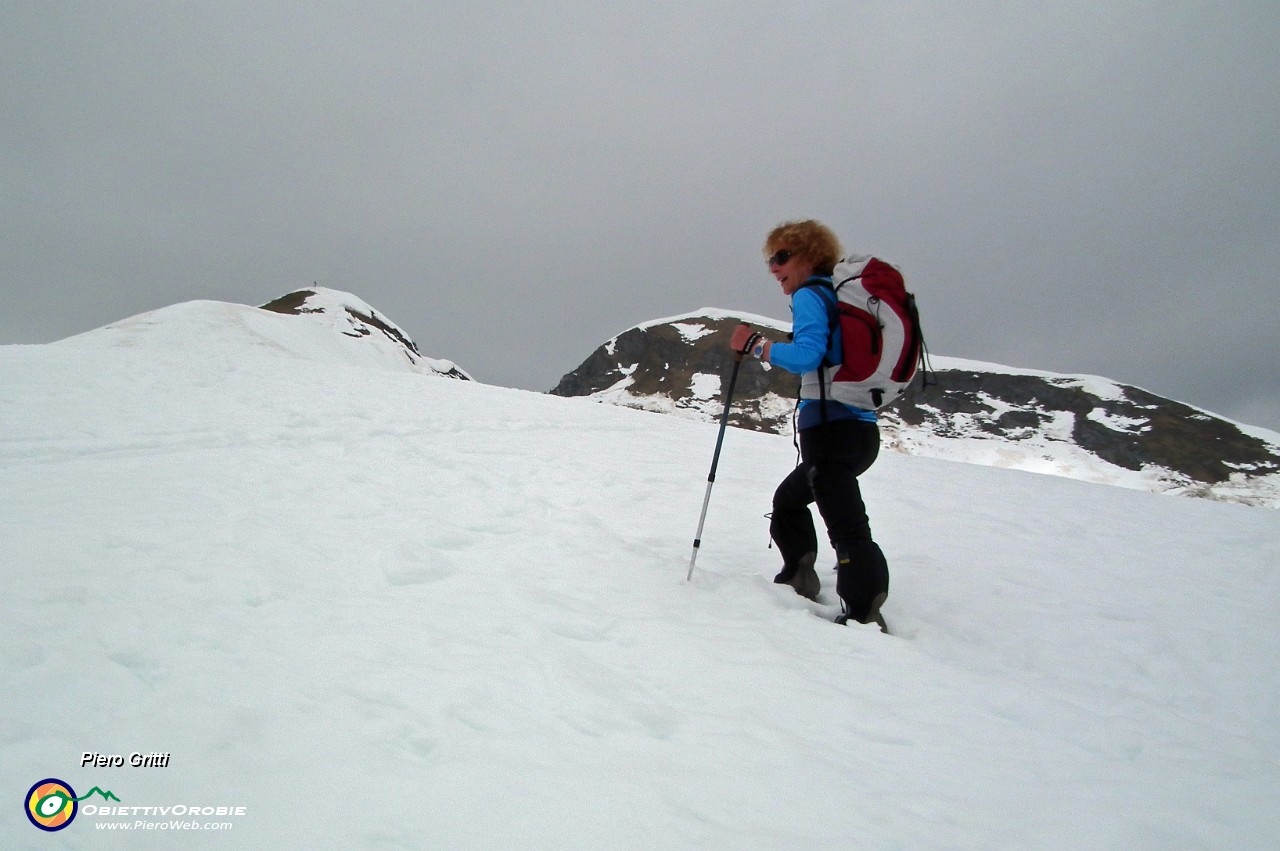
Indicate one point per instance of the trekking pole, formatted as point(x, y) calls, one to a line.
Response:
point(715, 461)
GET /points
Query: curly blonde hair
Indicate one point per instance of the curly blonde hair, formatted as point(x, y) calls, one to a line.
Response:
point(812, 240)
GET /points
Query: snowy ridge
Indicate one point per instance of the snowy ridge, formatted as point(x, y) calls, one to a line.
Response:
point(716, 315)
point(313, 324)
point(425, 613)
point(987, 415)
point(1080, 426)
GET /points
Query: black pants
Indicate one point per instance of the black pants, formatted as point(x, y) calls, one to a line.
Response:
point(832, 456)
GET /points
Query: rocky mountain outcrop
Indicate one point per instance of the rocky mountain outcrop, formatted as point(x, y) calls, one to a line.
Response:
point(351, 317)
point(1084, 427)
point(676, 366)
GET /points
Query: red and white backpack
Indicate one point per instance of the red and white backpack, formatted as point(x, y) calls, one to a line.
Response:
point(881, 341)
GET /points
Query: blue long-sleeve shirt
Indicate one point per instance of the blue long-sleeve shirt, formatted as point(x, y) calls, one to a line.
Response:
point(813, 344)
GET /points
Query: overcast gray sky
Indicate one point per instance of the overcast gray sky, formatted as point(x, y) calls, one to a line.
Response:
point(1077, 187)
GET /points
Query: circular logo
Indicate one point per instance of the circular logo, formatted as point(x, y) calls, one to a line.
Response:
point(51, 804)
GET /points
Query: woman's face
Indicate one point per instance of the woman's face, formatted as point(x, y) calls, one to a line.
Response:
point(790, 270)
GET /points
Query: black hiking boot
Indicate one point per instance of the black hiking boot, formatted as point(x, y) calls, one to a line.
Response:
point(862, 582)
point(872, 616)
point(801, 576)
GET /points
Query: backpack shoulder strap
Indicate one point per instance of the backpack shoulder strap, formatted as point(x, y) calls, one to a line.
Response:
point(832, 302)
point(829, 298)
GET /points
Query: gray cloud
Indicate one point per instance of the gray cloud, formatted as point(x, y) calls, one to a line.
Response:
point(1085, 189)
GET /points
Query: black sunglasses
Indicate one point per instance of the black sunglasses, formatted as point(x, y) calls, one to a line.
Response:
point(781, 257)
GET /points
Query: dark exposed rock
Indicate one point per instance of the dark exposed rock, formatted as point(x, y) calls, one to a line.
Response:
point(661, 361)
point(1135, 431)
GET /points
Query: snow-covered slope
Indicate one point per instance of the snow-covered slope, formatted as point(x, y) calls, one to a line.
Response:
point(376, 609)
point(1084, 427)
point(315, 323)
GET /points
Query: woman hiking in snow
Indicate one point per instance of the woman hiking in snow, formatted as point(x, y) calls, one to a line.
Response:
point(838, 442)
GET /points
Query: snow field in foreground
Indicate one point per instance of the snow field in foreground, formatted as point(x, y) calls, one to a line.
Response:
point(385, 610)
